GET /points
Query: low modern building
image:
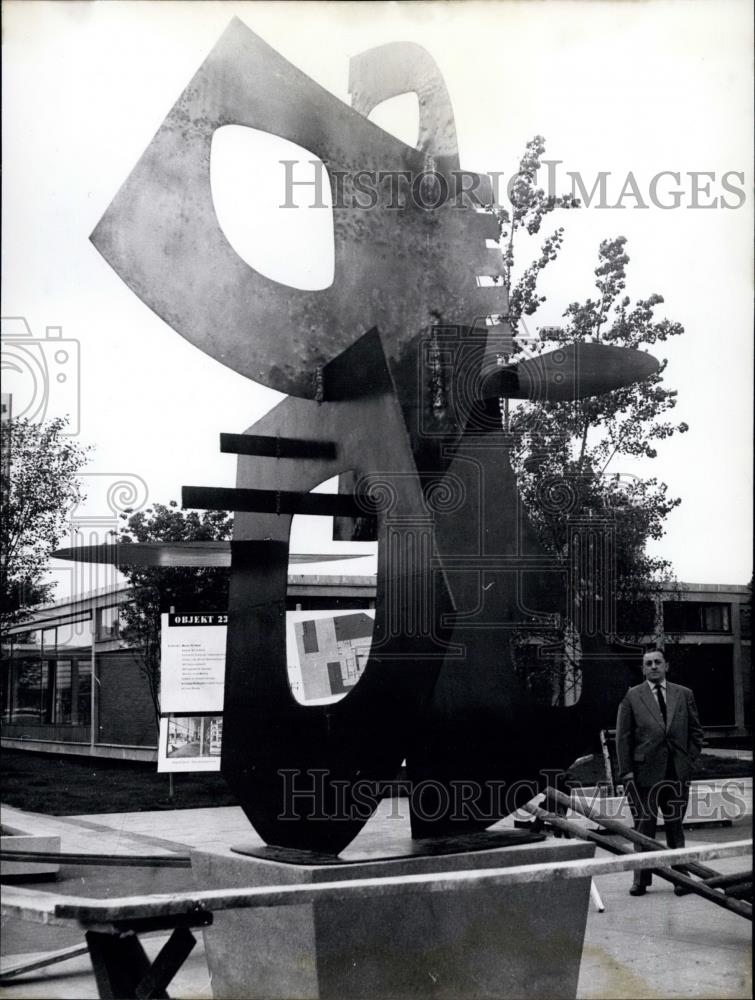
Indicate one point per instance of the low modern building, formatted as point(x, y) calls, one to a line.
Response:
point(70, 684)
point(48, 701)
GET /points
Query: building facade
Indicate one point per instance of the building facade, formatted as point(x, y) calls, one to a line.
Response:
point(70, 684)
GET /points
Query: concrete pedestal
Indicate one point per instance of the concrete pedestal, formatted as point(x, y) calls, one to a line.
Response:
point(519, 941)
point(12, 839)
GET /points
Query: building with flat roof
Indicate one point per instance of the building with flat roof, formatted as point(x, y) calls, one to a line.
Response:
point(70, 684)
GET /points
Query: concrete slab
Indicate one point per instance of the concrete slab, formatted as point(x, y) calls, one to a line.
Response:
point(90, 835)
point(182, 828)
point(660, 945)
point(480, 941)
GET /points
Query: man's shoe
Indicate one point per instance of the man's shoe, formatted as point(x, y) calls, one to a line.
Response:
point(637, 890)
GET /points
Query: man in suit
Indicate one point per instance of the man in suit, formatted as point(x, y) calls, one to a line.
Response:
point(658, 740)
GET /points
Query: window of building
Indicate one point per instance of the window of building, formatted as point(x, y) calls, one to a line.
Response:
point(48, 692)
point(84, 692)
point(27, 700)
point(6, 689)
point(635, 617)
point(49, 641)
point(63, 702)
point(108, 621)
point(745, 620)
point(696, 616)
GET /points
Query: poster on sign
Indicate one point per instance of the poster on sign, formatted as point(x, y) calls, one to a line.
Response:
point(191, 691)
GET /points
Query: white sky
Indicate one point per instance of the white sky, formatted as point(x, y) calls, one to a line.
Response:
point(612, 86)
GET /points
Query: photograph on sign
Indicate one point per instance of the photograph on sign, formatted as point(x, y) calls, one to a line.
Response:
point(190, 743)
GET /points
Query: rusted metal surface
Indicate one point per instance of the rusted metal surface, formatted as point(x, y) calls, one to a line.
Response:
point(272, 745)
point(400, 269)
point(172, 554)
point(395, 373)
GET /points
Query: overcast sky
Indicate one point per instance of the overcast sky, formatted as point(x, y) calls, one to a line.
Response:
point(641, 87)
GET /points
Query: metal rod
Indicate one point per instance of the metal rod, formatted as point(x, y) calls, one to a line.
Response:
point(274, 501)
point(277, 447)
point(113, 860)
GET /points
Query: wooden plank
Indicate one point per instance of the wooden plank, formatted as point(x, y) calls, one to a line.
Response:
point(614, 826)
point(120, 964)
point(740, 890)
point(720, 881)
point(683, 883)
point(42, 961)
point(31, 904)
point(171, 957)
point(98, 911)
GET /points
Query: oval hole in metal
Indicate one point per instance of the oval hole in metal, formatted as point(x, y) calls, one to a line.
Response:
point(330, 609)
point(399, 116)
point(278, 218)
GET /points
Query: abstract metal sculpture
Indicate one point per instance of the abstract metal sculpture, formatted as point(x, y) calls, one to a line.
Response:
point(394, 376)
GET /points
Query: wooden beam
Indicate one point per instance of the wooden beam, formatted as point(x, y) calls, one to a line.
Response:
point(679, 880)
point(99, 911)
point(42, 961)
point(721, 881)
point(120, 964)
point(171, 957)
point(614, 826)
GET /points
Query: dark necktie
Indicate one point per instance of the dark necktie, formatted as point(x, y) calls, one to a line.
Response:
point(661, 701)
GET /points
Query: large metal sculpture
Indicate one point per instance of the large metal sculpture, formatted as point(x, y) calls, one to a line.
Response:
point(394, 378)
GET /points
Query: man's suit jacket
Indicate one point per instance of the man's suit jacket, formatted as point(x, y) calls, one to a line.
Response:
point(643, 743)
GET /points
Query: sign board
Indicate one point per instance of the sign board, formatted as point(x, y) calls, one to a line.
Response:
point(192, 677)
point(326, 653)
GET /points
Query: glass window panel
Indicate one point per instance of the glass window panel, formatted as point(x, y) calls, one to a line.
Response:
point(47, 690)
point(108, 623)
point(695, 616)
point(62, 692)
point(27, 703)
point(5, 689)
point(49, 641)
point(84, 692)
point(745, 620)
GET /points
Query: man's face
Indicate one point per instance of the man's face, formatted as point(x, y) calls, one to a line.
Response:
point(654, 666)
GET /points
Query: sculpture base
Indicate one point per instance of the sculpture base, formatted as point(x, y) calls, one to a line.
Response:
point(395, 849)
point(521, 941)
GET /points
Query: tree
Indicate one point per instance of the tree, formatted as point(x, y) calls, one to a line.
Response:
point(39, 490)
point(564, 450)
point(157, 589)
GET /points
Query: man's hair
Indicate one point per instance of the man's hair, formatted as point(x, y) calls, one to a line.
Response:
point(655, 647)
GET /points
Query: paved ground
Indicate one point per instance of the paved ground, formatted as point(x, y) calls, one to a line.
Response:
point(655, 946)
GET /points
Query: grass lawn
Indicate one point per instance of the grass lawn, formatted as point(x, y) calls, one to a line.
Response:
point(72, 786)
point(708, 767)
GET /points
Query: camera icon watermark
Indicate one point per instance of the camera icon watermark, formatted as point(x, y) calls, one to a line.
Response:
point(41, 375)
